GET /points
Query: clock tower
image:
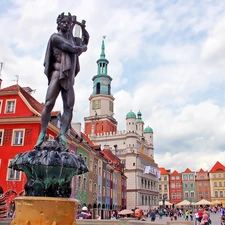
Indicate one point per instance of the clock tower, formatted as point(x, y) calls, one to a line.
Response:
point(101, 100)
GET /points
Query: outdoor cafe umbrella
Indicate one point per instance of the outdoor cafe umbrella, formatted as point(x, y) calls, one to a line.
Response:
point(125, 212)
point(217, 202)
point(203, 202)
point(166, 203)
point(184, 202)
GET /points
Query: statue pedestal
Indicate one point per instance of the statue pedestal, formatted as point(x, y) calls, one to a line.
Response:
point(45, 210)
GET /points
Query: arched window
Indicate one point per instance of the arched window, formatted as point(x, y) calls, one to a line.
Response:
point(98, 88)
point(109, 89)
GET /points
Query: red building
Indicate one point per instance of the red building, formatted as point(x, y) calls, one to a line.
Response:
point(19, 128)
point(175, 187)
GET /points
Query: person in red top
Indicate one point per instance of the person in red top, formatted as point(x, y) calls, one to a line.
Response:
point(200, 214)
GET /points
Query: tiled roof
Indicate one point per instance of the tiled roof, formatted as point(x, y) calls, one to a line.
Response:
point(187, 171)
point(37, 106)
point(175, 172)
point(218, 167)
point(109, 155)
point(88, 139)
point(32, 101)
point(201, 170)
point(163, 171)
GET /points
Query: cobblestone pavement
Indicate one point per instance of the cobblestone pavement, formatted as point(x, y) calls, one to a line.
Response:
point(214, 217)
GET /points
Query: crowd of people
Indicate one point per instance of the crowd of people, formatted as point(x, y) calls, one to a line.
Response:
point(199, 216)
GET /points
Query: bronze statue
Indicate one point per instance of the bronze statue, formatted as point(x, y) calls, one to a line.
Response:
point(61, 67)
point(49, 169)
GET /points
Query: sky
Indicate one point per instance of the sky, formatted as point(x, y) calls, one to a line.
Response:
point(166, 59)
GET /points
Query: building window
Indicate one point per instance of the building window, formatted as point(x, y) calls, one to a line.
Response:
point(173, 196)
point(13, 174)
point(185, 194)
point(215, 184)
point(103, 191)
point(214, 175)
point(185, 177)
point(165, 177)
point(0, 106)
point(200, 184)
point(186, 185)
point(99, 171)
point(165, 187)
point(18, 137)
point(216, 194)
point(90, 185)
point(200, 194)
point(91, 165)
point(85, 183)
point(1, 137)
point(173, 185)
point(160, 187)
point(206, 184)
point(10, 106)
point(172, 178)
point(191, 185)
point(206, 194)
point(177, 185)
point(220, 184)
point(160, 196)
point(221, 194)
point(95, 169)
point(192, 194)
point(99, 189)
point(177, 178)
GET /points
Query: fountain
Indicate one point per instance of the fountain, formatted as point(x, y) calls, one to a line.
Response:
point(50, 167)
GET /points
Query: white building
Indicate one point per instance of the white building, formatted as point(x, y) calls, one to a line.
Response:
point(134, 146)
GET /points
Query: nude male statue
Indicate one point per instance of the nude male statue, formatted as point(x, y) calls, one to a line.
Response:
point(61, 67)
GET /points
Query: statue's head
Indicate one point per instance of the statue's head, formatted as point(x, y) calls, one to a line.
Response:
point(64, 21)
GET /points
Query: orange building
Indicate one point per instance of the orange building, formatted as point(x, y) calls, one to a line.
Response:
point(202, 185)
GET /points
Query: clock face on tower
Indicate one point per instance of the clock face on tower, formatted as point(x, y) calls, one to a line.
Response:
point(96, 104)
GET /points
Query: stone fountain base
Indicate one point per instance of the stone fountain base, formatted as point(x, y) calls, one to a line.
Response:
point(45, 210)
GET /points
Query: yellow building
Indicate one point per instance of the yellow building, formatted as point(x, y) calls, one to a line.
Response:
point(217, 183)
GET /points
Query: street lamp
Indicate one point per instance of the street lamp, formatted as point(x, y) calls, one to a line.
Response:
point(163, 200)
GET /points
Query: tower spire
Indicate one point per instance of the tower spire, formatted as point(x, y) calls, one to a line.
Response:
point(102, 56)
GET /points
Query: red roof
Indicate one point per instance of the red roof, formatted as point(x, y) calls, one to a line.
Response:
point(187, 171)
point(163, 171)
point(175, 172)
point(37, 106)
point(201, 171)
point(218, 167)
point(88, 139)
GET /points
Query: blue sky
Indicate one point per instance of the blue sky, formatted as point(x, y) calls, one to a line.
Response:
point(166, 58)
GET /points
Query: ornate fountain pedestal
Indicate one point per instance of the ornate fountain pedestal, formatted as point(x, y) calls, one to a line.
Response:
point(45, 211)
point(49, 172)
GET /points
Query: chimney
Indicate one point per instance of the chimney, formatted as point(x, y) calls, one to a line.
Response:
point(77, 128)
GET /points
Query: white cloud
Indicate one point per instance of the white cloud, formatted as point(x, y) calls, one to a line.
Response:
point(166, 59)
